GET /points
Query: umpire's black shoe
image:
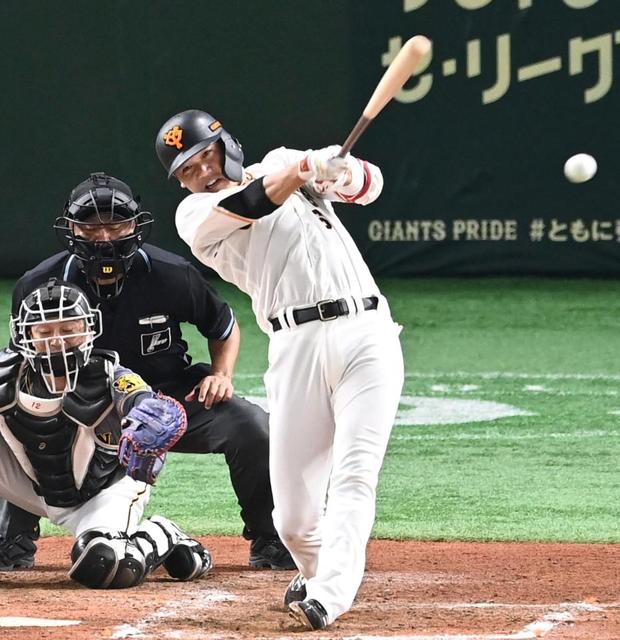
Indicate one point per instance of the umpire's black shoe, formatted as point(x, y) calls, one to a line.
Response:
point(17, 552)
point(270, 553)
point(296, 590)
point(310, 613)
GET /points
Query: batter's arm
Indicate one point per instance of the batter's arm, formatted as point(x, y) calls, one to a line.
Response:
point(281, 184)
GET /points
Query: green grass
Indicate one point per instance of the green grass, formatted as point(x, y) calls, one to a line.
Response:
point(546, 347)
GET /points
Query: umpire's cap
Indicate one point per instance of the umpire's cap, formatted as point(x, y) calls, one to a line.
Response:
point(187, 133)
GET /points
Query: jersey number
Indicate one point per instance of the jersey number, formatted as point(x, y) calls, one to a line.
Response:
point(317, 212)
point(322, 218)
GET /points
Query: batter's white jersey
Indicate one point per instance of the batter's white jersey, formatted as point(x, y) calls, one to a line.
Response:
point(333, 387)
point(294, 257)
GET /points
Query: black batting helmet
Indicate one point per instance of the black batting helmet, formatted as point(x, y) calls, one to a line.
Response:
point(187, 133)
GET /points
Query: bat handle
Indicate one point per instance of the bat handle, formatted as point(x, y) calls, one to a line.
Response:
point(356, 132)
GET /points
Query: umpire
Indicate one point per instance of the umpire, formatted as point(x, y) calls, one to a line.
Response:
point(144, 293)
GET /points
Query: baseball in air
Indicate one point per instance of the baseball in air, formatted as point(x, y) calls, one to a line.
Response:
point(580, 168)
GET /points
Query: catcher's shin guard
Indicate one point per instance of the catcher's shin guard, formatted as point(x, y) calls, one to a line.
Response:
point(106, 560)
point(183, 557)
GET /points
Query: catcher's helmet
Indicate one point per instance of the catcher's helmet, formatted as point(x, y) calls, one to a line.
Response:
point(105, 201)
point(187, 133)
point(48, 354)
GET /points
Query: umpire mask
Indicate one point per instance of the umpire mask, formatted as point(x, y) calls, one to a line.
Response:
point(103, 226)
point(55, 330)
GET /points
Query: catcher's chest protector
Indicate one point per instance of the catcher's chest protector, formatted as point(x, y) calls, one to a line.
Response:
point(49, 441)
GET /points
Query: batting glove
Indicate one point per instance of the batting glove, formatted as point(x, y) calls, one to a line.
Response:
point(323, 165)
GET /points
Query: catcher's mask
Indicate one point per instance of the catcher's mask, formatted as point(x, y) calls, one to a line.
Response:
point(103, 226)
point(65, 327)
point(189, 132)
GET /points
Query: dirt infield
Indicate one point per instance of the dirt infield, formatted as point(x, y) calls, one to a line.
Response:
point(430, 591)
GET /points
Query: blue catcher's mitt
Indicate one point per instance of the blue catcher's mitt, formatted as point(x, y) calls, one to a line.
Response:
point(150, 429)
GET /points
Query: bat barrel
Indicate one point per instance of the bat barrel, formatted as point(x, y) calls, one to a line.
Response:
point(405, 63)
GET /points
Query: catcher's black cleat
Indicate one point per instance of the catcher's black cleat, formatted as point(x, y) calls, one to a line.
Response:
point(17, 552)
point(296, 590)
point(310, 613)
point(270, 553)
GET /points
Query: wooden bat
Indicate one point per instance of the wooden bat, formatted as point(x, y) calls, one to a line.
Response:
point(403, 65)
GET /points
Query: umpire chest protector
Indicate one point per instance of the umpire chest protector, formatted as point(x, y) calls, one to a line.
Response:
point(54, 439)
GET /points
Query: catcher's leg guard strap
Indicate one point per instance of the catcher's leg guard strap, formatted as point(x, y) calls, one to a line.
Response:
point(156, 538)
point(163, 542)
point(104, 560)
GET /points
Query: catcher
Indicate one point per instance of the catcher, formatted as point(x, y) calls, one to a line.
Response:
point(145, 294)
point(81, 441)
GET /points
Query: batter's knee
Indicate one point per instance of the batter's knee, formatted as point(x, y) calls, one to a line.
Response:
point(106, 560)
point(295, 532)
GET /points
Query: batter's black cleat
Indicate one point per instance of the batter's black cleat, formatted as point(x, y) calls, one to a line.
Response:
point(270, 553)
point(296, 590)
point(309, 613)
point(17, 552)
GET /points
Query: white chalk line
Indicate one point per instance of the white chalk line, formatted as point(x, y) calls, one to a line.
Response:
point(198, 601)
point(17, 621)
point(485, 375)
point(513, 375)
point(455, 606)
point(499, 435)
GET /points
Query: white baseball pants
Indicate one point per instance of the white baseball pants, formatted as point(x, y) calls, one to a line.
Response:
point(333, 389)
point(118, 508)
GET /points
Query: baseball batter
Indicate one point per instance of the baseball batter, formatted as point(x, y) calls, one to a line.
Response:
point(61, 406)
point(335, 362)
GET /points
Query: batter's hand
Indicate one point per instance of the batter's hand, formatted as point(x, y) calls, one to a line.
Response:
point(323, 164)
point(212, 389)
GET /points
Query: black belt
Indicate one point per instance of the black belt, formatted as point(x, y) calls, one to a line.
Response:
point(324, 311)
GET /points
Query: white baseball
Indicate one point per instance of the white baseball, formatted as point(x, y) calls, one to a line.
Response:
point(580, 168)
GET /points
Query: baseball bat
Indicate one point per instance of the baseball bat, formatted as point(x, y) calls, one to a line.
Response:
point(395, 76)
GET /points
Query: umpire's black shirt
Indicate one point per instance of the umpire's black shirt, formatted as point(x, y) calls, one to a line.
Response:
point(142, 323)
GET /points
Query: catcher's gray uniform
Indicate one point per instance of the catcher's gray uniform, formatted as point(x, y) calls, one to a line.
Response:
point(58, 458)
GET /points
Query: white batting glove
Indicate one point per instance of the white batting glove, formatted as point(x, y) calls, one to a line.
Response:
point(323, 165)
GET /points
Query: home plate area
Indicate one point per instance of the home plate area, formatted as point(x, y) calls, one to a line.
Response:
point(411, 590)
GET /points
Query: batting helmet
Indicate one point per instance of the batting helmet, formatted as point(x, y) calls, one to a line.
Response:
point(187, 133)
point(56, 301)
point(105, 201)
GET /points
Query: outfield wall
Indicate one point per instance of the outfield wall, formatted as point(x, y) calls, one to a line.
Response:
point(472, 150)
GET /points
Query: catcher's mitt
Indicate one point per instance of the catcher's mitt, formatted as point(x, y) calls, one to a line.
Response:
point(150, 429)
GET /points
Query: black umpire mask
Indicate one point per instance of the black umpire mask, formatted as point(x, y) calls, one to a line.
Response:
point(103, 226)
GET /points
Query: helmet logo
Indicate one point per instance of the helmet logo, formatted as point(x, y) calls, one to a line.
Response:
point(214, 126)
point(107, 269)
point(173, 136)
